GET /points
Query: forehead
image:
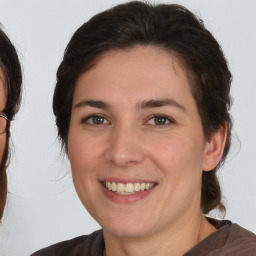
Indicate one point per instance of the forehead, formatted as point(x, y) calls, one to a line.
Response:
point(137, 74)
point(127, 53)
point(152, 51)
point(149, 61)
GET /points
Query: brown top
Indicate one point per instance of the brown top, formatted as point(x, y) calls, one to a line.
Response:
point(229, 239)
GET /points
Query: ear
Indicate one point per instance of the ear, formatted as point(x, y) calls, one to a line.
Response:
point(214, 148)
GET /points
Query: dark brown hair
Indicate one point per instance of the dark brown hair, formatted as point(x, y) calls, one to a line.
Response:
point(10, 65)
point(174, 29)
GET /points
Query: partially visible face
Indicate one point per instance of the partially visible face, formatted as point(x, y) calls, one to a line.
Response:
point(3, 98)
point(136, 143)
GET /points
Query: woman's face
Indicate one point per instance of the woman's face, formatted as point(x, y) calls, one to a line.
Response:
point(136, 143)
point(3, 98)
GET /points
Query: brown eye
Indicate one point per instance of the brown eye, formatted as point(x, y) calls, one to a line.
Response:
point(96, 120)
point(160, 120)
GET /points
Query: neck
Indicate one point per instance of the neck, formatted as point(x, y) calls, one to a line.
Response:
point(180, 240)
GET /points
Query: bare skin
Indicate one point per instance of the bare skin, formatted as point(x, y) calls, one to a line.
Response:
point(134, 120)
point(175, 245)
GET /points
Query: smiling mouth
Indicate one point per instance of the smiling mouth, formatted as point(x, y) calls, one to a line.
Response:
point(127, 189)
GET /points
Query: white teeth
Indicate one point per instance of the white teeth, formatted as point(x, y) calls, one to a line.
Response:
point(142, 186)
point(109, 186)
point(120, 187)
point(113, 186)
point(137, 187)
point(127, 189)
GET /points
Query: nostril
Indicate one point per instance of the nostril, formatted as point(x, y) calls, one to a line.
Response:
point(126, 160)
point(125, 155)
point(125, 146)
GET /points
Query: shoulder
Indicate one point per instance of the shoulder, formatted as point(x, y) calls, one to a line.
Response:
point(232, 239)
point(229, 240)
point(92, 244)
point(240, 241)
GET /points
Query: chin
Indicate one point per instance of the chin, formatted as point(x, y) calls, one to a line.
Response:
point(126, 232)
point(127, 228)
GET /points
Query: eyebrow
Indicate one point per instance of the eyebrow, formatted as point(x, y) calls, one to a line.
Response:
point(93, 103)
point(140, 106)
point(160, 103)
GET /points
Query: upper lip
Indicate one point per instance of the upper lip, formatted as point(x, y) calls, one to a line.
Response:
point(126, 180)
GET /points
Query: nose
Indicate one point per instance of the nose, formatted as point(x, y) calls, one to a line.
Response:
point(125, 147)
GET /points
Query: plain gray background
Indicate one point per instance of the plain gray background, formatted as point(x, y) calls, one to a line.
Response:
point(42, 204)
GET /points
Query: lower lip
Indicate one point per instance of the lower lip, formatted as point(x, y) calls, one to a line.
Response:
point(126, 199)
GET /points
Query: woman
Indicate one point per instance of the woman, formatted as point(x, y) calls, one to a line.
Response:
point(10, 96)
point(142, 108)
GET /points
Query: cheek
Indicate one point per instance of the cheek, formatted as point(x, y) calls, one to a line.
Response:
point(180, 165)
point(178, 158)
point(84, 154)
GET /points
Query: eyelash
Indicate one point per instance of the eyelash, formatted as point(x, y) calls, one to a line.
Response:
point(167, 120)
